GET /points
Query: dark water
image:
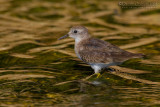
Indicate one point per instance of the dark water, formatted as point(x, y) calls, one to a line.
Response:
point(38, 70)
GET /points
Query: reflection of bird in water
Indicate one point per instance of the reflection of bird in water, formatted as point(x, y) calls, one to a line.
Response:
point(97, 53)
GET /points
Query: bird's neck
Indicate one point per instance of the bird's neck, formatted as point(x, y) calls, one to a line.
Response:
point(79, 42)
point(80, 39)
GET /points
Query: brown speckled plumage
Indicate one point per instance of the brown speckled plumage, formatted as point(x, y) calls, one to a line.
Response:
point(97, 53)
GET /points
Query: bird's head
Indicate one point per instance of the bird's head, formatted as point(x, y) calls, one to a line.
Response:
point(77, 32)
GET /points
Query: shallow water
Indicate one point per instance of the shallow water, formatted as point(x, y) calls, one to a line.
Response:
point(38, 70)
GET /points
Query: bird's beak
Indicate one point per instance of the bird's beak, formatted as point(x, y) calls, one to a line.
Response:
point(63, 37)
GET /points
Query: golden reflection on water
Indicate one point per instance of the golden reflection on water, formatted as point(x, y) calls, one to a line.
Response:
point(37, 69)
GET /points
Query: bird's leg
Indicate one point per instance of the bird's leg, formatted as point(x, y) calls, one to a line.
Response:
point(97, 71)
point(98, 75)
point(88, 77)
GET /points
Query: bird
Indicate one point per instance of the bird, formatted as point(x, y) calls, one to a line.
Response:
point(97, 53)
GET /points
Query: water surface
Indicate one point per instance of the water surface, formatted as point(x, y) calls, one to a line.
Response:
point(38, 70)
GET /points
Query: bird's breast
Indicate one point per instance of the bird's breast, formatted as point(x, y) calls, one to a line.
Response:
point(77, 49)
point(77, 53)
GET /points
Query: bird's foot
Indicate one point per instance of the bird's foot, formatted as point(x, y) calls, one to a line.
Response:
point(98, 75)
point(88, 77)
point(112, 69)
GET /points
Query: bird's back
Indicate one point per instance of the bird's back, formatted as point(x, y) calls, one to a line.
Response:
point(94, 50)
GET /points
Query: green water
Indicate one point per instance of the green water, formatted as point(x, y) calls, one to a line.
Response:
point(38, 70)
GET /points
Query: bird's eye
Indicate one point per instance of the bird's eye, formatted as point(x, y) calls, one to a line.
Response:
point(75, 31)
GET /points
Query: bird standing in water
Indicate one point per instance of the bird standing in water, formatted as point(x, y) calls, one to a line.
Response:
point(97, 53)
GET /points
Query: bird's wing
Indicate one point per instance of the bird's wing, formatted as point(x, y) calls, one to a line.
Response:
point(98, 51)
point(95, 56)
